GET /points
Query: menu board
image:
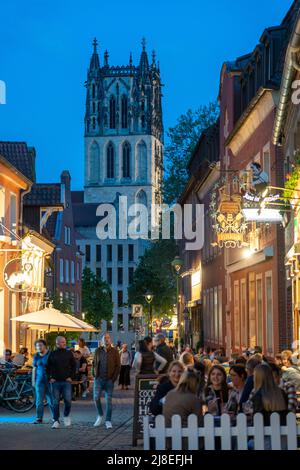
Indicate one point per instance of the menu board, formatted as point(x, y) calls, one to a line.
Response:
point(145, 388)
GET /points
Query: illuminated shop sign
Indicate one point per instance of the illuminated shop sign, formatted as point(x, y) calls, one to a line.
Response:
point(17, 275)
point(262, 215)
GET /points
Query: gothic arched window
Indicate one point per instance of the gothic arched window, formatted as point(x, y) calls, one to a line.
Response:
point(94, 123)
point(94, 107)
point(142, 161)
point(124, 112)
point(126, 160)
point(94, 163)
point(110, 161)
point(112, 112)
point(93, 90)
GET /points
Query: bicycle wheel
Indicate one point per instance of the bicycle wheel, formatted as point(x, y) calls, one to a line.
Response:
point(25, 402)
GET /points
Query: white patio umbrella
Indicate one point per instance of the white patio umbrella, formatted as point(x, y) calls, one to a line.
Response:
point(51, 319)
point(82, 324)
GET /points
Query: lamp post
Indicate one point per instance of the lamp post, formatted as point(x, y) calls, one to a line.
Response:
point(177, 264)
point(149, 297)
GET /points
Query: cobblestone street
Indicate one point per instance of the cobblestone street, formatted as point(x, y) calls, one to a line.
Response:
point(18, 433)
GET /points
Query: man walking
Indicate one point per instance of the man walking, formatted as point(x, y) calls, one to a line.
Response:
point(106, 368)
point(163, 350)
point(61, 368)
point(40, 380)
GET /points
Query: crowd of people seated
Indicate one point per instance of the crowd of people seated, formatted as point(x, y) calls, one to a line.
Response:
point(210, 382)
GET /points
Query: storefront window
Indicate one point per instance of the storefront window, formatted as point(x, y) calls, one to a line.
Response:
point(220, 314)
point(269, 313)
point(216, 322)
point(244, 336)
point(252, 312)
point(237, 314)
point(259, 312)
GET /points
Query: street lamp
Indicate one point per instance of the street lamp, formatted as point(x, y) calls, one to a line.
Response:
point(149, 297)
point(177, 264)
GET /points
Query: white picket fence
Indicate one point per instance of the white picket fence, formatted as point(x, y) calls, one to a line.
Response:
point(241, 433)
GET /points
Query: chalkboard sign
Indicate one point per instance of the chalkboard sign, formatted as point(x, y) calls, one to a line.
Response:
point(145, 388)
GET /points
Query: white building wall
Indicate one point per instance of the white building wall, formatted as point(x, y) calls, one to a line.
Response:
point(89, 238)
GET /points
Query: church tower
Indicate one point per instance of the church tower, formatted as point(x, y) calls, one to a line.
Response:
point(123, 157)
point(123, 130)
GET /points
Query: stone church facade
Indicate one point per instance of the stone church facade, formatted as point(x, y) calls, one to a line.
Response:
point(123, 157)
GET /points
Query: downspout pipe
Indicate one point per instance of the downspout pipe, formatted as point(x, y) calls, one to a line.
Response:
point(290, 67)
point(23, 194)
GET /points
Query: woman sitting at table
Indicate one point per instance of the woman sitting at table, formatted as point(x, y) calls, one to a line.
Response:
point(165, 386)
point(216, 392)
point(183, 400)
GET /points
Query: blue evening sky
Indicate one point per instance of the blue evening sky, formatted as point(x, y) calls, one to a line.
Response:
point(46, 47)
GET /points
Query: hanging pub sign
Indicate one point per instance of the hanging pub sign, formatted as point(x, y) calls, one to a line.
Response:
point(226, 212)
point(137, 311)
point(17, 275)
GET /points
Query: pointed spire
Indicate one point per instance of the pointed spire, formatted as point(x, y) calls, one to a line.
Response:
point(95, 44)
point(95, 62)
point(153, 58)
point(144, 63)
point(106, 56)
point(130, 59)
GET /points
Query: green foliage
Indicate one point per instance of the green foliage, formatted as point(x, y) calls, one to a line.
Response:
point(292, 179)
point(96, 299)
point(64, 306)
point(182, 139)
point(155, 274)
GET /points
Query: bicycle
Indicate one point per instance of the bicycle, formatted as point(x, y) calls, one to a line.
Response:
point(16, 391)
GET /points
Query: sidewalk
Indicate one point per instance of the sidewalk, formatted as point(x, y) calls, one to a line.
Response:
point(17, 432)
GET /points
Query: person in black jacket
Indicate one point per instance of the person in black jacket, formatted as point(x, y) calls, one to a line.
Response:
point(61, 369)
point(249, 385)
point(166, 384)
point(163, 350)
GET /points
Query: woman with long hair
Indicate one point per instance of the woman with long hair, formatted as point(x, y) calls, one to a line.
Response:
point(215, 395)
point(187, 360)
point(183, 400)
point(168, 383)
point(267, 396)
point(208, 365)
point(124, 377)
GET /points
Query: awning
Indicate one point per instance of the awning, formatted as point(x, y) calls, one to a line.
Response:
point(51, 319)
